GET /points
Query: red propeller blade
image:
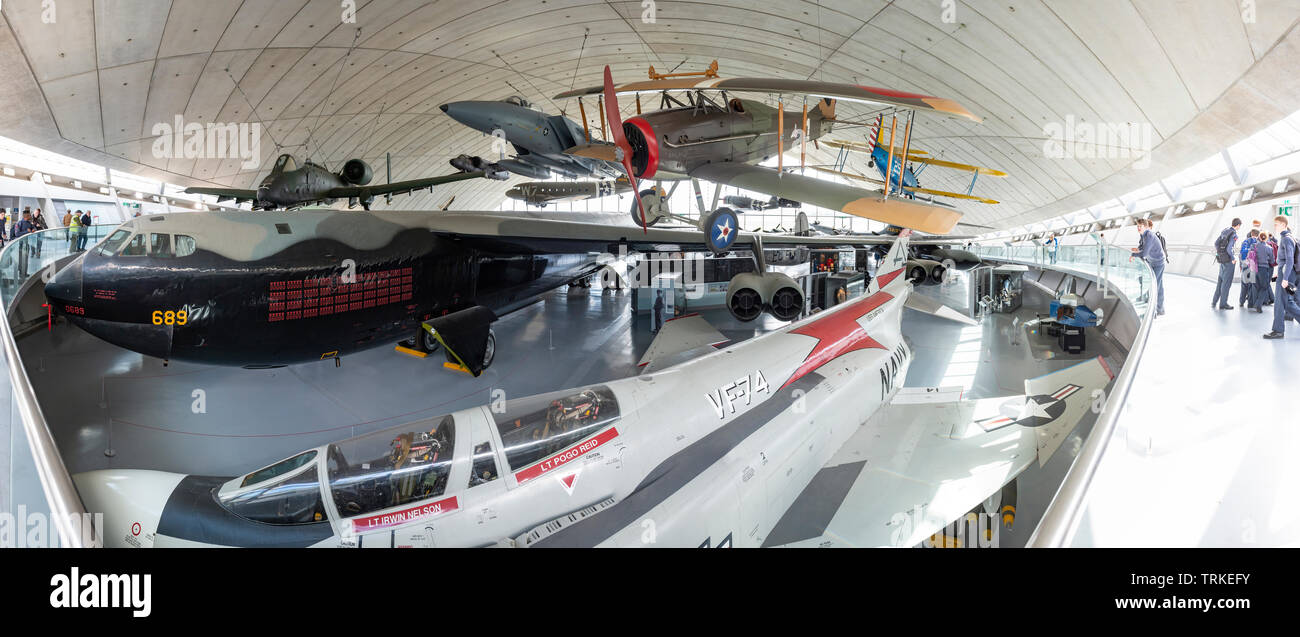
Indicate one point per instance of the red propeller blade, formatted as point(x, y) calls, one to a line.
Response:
point(620, 140)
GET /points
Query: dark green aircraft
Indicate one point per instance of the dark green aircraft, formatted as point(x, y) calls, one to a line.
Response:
point(289, 186)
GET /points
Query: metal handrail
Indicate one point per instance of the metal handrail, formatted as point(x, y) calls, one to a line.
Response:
point(60, 492)
point(1061, 519)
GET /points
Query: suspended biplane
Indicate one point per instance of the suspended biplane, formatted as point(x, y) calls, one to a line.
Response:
point(903, 177)
point(724, 140)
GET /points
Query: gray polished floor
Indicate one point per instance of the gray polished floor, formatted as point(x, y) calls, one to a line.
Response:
point(1205, 452)
point(112, 408)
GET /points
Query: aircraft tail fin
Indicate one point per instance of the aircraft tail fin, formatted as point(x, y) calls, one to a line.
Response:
point(893, 265)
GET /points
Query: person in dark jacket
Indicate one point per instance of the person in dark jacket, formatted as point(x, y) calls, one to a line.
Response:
point(1262, 277)
point(1286, 307)
point(1247, 280)
point(1153, 253)
point(86, 222)
point(1225, 251)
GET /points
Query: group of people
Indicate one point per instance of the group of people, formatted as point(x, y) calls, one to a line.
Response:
point(1269, 275)
point(78, 224)
point(13, 226)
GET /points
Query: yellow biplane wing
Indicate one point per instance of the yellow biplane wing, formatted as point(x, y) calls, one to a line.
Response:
point(955, 195)
point(956, 166)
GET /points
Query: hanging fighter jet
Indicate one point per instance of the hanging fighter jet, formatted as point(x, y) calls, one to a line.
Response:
point(539, 140)
point(800, 437)
point(543, 193)
point(291, 186)
point(278, 288)
point(724, 141)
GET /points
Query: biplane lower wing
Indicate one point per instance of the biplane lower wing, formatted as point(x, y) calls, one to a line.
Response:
point(820, 192)
point(954, 195)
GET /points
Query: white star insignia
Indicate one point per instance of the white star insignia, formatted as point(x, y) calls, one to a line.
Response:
point(725, 228)
point(1033, 408)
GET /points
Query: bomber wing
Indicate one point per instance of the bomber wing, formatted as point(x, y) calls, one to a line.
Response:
point(541, 234)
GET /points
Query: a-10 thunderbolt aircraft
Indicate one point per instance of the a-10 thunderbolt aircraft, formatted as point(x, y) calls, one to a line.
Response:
point(800, 437)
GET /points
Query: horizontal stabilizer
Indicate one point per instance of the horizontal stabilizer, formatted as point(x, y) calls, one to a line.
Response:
point(680, 339)
point(922, 303)
point(1082, 384)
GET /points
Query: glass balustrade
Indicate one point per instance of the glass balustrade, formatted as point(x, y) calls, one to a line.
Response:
point(27, 255)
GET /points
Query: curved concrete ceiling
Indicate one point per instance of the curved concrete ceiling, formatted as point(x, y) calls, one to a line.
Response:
point(1198, 74)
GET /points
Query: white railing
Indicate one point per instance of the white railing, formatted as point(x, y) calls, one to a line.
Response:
point(22, 259)
point(1133, 279)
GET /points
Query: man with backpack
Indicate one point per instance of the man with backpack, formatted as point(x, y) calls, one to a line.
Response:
point(1152, 250)
point(1286, 308)
point(1224, 248)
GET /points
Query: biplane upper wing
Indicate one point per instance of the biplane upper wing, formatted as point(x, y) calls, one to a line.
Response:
point(820, 192)
point(956, 166)
point(834, 90)
point(917, 156)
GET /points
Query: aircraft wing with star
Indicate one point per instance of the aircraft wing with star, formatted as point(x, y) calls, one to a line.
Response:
point(929, 457)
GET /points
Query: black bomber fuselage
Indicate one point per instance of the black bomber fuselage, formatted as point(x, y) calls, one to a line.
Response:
point(309, 299)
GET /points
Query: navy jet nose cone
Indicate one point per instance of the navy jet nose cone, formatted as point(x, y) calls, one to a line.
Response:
point(444, 108)
point(65, 288)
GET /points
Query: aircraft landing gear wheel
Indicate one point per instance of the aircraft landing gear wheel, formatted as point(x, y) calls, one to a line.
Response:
point(491, 351)
point(652, 204)
point(422, 341)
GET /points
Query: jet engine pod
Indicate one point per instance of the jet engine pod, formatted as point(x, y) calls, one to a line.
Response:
point(357, 172)
point(744, 299)
point(786, 299)
point(750, 293)
point(918, 272)
point(938, 274)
